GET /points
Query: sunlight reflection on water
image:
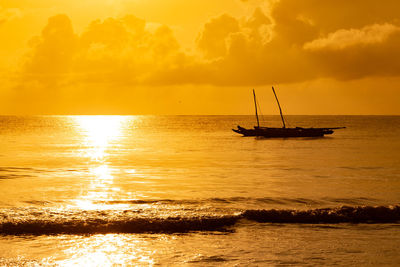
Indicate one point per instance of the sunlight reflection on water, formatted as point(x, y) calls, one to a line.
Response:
point(99, 134)
point(107, 250)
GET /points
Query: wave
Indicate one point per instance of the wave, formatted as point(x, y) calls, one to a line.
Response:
point(101, 226)
point(246, 200)
point(95, 224)
point(343, 214)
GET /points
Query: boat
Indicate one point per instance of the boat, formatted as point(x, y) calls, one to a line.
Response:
point(283, 132)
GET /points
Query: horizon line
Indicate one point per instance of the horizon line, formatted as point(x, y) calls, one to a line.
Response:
point(25, 115)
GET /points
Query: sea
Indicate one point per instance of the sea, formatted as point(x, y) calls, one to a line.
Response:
point(188, 191)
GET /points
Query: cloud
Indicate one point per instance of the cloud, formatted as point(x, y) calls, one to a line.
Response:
point(213, 40)
point(111, 53)
point(7, 14)
point(296, 41)
point(287, 42)
point(112, 50)
point(359, 60)
point(341, 39)
point(240, 52)
point(124, 61)
point(331, 15)
point(54, 50)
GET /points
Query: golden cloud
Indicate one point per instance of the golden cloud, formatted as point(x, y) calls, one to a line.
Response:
point(289, 42)
point(294, 42)
point(341, 39)
point(9, 14)
point(213, 40)
point(107, 51)
point(113, 63)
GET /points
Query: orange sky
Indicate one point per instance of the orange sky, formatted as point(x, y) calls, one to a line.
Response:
point(199, 57)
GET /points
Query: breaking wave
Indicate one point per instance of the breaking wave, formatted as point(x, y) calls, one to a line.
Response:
point(128, 224)
point(343, 214)
point(246, 200)
point(135, 225)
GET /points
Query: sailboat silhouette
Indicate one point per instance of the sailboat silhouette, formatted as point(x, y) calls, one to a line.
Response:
point(271, 132)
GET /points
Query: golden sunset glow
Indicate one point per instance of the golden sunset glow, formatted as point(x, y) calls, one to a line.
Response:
point(199, 132)
point(135, 190)
point(198, 57)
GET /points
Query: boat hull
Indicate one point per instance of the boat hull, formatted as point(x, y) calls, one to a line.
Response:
point(283, 132)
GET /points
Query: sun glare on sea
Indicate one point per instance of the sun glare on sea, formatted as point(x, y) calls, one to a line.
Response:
point(100, 132)
point(101, 188)
point(108, 250)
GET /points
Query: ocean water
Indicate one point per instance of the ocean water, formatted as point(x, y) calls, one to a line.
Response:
point(186, 190)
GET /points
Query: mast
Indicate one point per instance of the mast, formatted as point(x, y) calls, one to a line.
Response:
point(280, 110)
point(255, 104)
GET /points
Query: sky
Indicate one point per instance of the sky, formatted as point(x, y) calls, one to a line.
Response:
point(199, 57)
